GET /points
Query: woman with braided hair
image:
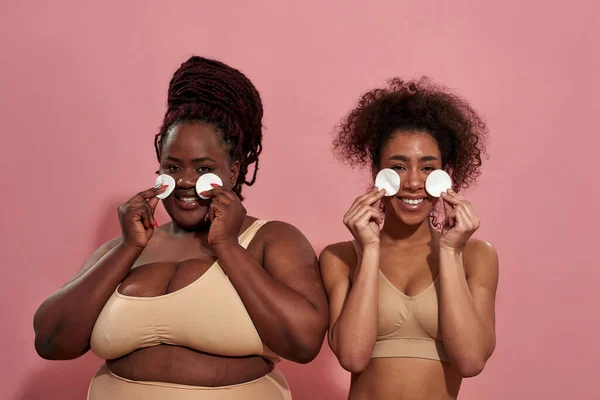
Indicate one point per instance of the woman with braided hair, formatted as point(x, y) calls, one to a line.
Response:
point(204, 306)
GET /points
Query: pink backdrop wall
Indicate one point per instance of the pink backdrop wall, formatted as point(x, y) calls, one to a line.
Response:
point(82, 93)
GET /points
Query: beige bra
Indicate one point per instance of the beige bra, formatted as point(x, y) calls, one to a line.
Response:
point(408, 325)
point(207, 315)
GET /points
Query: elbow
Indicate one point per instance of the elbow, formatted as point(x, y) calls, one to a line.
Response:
point(352, 359)
point(304, 352)
point(304, 356)
point(306, 344)
point(353, 363)
point(48, 349)
point(470, 367)
point(471, 363)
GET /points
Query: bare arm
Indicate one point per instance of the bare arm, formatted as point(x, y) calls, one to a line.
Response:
point(285, 299)
point(64, 322)
point(468, 282)
point(467, 304)
point(352, 306)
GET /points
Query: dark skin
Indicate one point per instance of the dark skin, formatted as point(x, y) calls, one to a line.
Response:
point(277, 276)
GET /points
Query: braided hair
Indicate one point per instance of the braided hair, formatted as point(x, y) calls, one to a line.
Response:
point(209, 91)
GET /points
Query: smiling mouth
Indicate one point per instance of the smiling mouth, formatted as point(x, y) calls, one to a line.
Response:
point(412, 202)
point(189, 200)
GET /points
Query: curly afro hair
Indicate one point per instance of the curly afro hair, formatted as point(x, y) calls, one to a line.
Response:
point(414, 106)
point(206, 90)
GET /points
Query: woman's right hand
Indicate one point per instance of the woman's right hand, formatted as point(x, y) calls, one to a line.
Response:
point(364, 218)
point(136, 217)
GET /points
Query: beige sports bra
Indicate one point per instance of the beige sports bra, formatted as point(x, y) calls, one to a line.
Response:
point(207, 315)
point(407, 325)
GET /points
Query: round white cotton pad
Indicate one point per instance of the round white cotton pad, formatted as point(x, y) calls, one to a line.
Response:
point(437, 182)
point(389, 180)
point(165, 179)
point(203, 183)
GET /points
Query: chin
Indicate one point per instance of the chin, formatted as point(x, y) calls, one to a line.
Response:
point(406, 215)
point(187, 219)
point(413, 220)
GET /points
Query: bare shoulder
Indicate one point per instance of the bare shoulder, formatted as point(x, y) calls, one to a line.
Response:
point(283, 246)
point(480, 255)
point(279, 232)
point(95, 257)
point(338, 258)
point(102, 250)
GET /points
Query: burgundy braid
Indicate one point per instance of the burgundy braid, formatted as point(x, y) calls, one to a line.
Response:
point(206, 90)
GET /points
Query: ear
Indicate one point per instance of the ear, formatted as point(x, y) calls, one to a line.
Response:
point(234, 172)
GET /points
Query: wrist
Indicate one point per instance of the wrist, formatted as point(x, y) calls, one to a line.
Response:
point(224, 245)
point(369, 258)
point(451, 256)
point(371, 247)
point(453, 251)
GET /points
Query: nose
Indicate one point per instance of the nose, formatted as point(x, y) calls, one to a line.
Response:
point(187, 179)
point(413, 181)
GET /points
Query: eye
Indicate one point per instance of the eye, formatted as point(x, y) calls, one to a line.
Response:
point(429, 168)
point(204, 169)
point(172, 168)
point(398, 168)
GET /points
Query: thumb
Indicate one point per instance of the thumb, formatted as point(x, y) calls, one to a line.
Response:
point(153, 202)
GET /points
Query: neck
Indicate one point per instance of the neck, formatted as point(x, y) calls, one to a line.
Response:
point(198, 231)
point(395, 230)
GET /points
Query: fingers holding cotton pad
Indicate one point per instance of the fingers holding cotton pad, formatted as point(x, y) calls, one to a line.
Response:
point(389, 180)
point(168, 180)
point(203, 184)
point(437, 182)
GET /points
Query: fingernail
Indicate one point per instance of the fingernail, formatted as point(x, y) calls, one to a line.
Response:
point(204, 193)
point(155, 223)
point(215, 185)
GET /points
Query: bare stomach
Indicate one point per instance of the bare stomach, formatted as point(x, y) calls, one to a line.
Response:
point(405, 379)
point(174, 364)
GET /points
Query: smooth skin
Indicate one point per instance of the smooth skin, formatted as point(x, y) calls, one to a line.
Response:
point(411, 254)
point(277, 277)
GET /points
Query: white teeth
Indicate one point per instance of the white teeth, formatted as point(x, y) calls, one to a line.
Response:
point(413, 202)
point(188, 199)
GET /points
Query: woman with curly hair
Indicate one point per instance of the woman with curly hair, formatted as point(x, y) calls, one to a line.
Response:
point(411, 298)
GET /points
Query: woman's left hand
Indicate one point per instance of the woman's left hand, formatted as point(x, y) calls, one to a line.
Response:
point(226, 214)
point(460, 223)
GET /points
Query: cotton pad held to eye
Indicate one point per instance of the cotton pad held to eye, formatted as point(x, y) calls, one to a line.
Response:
point(437, 182)
point(165, 179)
point(203, 183)
point(389, 180)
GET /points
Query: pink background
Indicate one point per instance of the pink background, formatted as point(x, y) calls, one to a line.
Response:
point(82, 93)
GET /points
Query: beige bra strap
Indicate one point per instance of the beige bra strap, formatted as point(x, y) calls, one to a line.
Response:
point(246, 237)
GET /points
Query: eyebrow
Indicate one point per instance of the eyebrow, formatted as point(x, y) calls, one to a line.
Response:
point(407, 159)
point(200, 159)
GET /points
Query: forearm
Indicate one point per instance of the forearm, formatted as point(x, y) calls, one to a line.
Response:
point(354, 333)
point(467, 339)
point(64, 322)
point(286, 321)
